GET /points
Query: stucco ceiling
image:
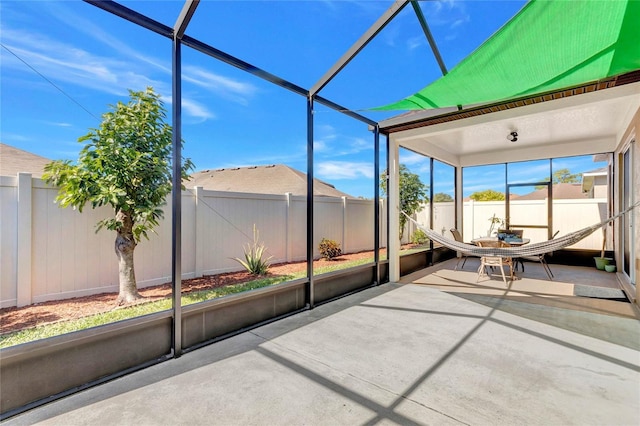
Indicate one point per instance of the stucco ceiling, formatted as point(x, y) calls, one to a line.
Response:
point(577, 125)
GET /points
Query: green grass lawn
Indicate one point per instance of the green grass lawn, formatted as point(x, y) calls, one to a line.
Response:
point(56, 329)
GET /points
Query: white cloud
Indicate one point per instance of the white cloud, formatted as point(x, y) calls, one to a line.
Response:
point(451, 14)
point(319, 146)
point(528, 172)
point(68, 17)
point(481, 186)
point(410, 158)
point(216, 82)
point(60, 124)
point(196, 109)
point(390, 35)
point(14, 137)
point(337, 170)
point(330, 141)
point(231, 89)
point(63, 63)
point(67, 64)
point(459, 22)
point(326, 132)
point(415, 42)
point(360, 144)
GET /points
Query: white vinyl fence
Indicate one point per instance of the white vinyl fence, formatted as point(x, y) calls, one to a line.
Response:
point(49, 253)
point(568, 216)
point(444, 218)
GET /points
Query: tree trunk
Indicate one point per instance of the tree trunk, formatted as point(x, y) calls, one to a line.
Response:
point(124, 247)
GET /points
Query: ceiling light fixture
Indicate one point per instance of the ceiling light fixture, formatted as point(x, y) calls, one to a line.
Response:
point(513, 136)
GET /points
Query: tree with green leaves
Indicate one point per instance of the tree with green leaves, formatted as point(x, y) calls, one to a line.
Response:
point(125, 164)
point(562, 176)
point(413, 193)
point(487, 195)
point(441, 197)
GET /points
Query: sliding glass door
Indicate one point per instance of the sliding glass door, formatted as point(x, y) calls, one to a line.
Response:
point(627, 219)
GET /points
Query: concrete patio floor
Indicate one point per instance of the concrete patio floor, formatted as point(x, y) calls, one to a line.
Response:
point(433, 349)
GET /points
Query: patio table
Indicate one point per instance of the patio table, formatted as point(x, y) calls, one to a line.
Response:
point(515, 242)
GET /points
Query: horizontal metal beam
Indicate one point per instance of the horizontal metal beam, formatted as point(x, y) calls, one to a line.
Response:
point(183, 20)
point(132, 16)
point(345, 111)
point(238, 63)
point(397, 6)
point(135, 17)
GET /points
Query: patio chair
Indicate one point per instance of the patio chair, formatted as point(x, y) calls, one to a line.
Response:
point(511, 235)
point(542, 259)
point(458, 237)
point(495, 261)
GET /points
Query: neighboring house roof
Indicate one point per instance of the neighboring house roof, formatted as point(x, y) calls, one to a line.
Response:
point(14, 161)
point(561, 191)
point(272, 179)
point(602, 171)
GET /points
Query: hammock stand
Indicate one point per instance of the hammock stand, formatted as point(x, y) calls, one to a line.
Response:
point(534, 249)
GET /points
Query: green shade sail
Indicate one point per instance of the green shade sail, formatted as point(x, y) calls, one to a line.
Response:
point(547, 46)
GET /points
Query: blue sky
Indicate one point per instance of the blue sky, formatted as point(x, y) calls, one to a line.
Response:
point(64, 62)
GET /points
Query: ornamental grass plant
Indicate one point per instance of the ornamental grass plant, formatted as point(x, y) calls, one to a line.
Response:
point(254, 261)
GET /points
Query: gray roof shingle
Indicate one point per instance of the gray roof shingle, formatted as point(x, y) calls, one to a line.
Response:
point(561, 191)
point(271, 179)
point(14, 161)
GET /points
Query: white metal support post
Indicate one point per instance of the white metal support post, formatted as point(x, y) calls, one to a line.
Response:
point(393, 192)
point(459, 200)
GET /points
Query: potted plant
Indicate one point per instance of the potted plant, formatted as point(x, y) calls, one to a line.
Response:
point(602, 261)
point(495, 221)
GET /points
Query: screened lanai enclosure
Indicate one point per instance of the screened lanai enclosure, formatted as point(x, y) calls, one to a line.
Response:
point(515, 115)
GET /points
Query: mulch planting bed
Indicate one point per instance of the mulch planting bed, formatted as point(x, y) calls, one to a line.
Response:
point(13, 319)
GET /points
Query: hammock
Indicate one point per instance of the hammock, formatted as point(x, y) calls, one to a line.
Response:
point(533, 249)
